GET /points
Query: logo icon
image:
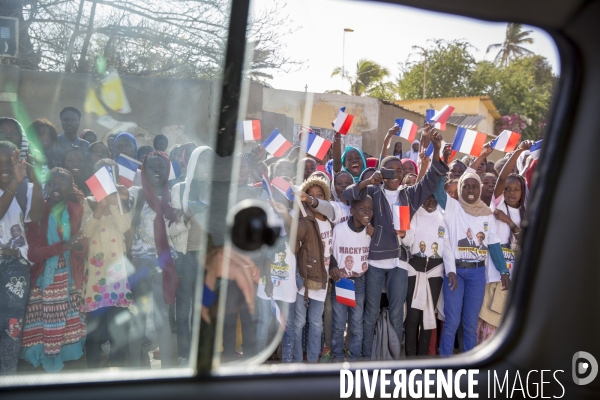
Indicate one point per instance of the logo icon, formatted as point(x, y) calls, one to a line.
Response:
point(441, 231)
point(584, 364)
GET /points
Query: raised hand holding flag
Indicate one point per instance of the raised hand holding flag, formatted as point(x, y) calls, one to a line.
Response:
point(101, 184)
point(408, 129)
point(442, 115)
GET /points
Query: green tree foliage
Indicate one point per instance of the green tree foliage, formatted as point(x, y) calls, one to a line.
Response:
point(523, 87)
point(368, 77)
point(449, 70)
point(512, 47)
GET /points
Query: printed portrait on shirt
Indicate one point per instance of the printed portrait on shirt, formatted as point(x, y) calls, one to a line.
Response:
point(352, 260)
point(13, 234)
point(280, 270)
point(434, 250)
point(422, 253)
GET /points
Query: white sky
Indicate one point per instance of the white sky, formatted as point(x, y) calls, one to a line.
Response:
point(382, 33)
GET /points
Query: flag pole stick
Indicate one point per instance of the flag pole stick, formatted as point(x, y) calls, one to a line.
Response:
point(301, 206)
point(118, 197)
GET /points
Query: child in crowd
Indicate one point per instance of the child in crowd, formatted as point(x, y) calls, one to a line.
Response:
point(313, 249)
point(54, 330)
point(464, 280)
point(388, 252)
point(107, 295)
point(15, 268)
point(350, 246)
point(152, 255)
point(191, 197)
point(425, 276)
point(508, 204)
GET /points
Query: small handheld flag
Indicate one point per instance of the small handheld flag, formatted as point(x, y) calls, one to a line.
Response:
point(101, 184)
point(284, 187)
point(408, 129)
point(429, 151)
point(345, 293)
point(251, 130)
point(401, 218)
point(266, 185)
point(317, 146)
point(442, 115)
point(429, 113)
point(535, 150)
point(175, 171)
point(468, 141)
point(343, 122)
point(506, 141)
point(277, 312)
point(127, 169)
point(276, 144)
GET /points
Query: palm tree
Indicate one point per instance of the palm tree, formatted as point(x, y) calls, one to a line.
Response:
point(368, 76)
point(512, 46)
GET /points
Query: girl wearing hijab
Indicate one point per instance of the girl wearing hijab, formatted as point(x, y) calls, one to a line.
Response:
point(88, 135)
point(508, 203)
point(124, 143)
point(471, 230)
point(413, 153)
point(191, 197)
point(352, 160)
point(152, 255)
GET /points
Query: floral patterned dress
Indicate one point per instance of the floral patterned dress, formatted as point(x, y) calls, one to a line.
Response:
point(106, 266)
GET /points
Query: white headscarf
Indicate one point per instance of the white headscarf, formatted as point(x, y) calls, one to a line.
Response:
point(189, 175)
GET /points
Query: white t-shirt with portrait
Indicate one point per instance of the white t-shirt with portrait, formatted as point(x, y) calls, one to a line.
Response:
point(351, 249)
point(327, 239)
point(469, 236)
point(430, 233)
point(12, 225)
point(283, 276)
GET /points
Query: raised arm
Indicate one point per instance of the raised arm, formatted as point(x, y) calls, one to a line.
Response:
point(508, 167)
point(357, 191)
point(393, 131)
point(423, 166)
point(485, 151)
point(337, 152)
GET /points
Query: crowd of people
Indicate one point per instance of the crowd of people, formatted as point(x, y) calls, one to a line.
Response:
point(79, 273)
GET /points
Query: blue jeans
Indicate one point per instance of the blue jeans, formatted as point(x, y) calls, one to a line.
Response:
point(315, 319)
point(465, 301)
point(187, 267)
point(15, 275)
point(265, 315)
point(340, 316)
point(396, 281)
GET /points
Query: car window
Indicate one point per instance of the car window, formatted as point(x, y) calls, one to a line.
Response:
point(404, 273)
point(357, 197)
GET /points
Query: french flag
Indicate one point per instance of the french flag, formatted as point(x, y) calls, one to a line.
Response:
point(401, 218)
point(175, 171)
point(442, 115)
point(429, 151)
point(127, 168)
point(343, 122)
point(408, 129)
point(506, 141)
point(276, 144)
point(345, 293)
point(317, 146)
point(284, 187)
point(429, 113)
point(468, 141)
point(251, 130)
point(278, 314)
point(101, 184)
point(535, 150)
point(267, 185)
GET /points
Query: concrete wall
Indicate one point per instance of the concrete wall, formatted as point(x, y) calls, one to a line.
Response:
point(184, 109)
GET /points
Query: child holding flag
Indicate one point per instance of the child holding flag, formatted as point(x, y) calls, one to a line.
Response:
point(350, 248)
point(388, 253)
point(106, 292)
